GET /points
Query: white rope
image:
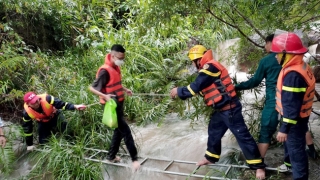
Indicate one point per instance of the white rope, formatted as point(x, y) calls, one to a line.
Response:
point(149, 94)
point(92, 104)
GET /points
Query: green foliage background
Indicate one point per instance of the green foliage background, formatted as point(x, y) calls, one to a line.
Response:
point(56, 46)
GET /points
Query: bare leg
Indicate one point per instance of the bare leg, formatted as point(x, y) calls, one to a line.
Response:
point(309, 138)
point(260, 174)
point(263, 147)
point(204, 161)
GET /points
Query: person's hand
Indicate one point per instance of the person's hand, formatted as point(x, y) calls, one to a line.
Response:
point(107, 97)
point(31, 148)
point(135, 166)
point(80, 107)
point(3, 141)
point(282, 137)
point(174, 93)
point(128, 91)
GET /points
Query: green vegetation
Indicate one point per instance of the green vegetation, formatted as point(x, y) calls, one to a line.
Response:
point(56, 46)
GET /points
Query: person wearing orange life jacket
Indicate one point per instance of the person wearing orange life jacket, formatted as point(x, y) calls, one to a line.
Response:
point(108, 85)
point(214, 84)
point(45, 110)
point(294, 99)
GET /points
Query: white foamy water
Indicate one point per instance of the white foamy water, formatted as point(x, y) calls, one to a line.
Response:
point(175, 139)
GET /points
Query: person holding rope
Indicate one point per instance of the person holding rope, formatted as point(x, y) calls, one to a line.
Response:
point(214, 84)
point(46, 111)
point(108, 85)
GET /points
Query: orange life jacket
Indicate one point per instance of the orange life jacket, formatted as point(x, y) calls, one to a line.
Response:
point(212, 94)
point(114, 86)
point(298, 65)
point(208, 56)
point(48, 110)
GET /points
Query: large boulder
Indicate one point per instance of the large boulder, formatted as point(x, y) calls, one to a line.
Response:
point(313, 58)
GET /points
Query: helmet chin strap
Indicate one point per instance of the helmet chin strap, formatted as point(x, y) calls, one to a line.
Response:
point(283, 57)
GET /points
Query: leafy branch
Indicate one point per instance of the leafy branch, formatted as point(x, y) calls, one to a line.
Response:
point(236, 27)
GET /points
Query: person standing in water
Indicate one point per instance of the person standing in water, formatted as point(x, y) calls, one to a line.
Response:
point(268, 69)
point(108, 85)
point(214, 84)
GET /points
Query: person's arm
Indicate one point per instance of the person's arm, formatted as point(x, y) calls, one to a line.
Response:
point(293, 90)
point(27, 126)
point(57, 103)
point(205, 78)
point(99, 83)
point(255, 80)
point(128, 91)
point(107, 97)
point(1, 131)
point(3, 139)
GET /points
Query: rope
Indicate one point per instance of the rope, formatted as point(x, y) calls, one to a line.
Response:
point(135, 94)
point(149, 94)
point(92, 104)
point(315, 112)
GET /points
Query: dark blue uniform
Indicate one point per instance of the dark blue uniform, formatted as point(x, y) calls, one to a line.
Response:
point(295, 145)
point(57, 123)
point(220, 120)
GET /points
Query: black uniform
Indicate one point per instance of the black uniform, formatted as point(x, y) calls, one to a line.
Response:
point(57, 123)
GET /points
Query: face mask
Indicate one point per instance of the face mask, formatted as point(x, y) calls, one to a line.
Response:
point(118, 62)
point(192, 69)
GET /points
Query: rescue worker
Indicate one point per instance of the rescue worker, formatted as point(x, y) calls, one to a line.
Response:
point(45, 110)
point(108, 85)
point(214, 84)
point(268, 69)
point(2, 137)
point(294, 99)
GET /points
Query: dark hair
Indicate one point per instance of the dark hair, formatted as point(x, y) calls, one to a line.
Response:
point(269, 38)
point(118, 48)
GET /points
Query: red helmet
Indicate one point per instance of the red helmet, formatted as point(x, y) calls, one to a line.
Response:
point(289, 43)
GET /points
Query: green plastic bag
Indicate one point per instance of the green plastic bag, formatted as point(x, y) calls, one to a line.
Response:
point(109, 117)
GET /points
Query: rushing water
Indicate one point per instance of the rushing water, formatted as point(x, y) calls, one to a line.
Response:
point(175, 139)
